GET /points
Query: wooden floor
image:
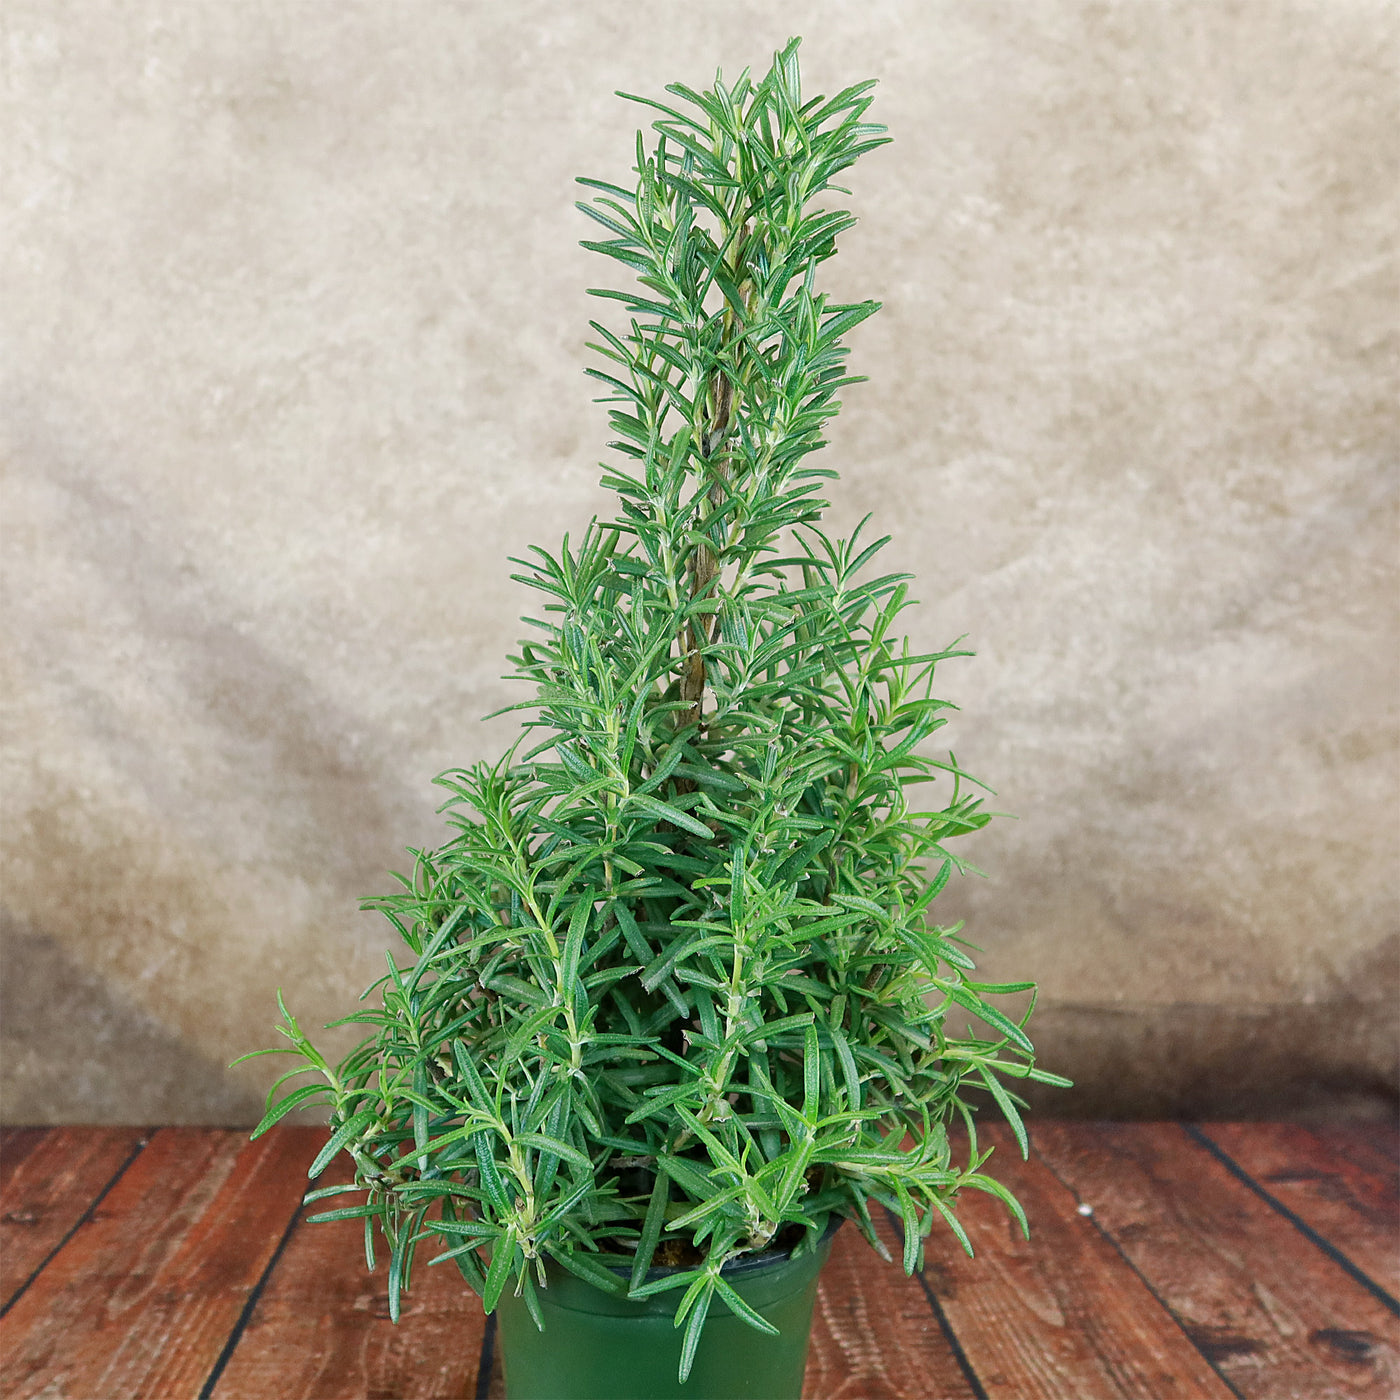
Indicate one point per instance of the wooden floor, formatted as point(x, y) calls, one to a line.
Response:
point(1255, 1260)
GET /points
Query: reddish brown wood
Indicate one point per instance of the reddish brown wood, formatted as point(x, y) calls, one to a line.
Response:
point(1355, 1210)
point(149, 1290)
point(321, 1329)
point(875, 1335)
point(54, 1177)
point(1374, 1147)
point(140, 1302)
point(1061, 1314)
point(1383, 1134)
point(15, 1145)
point(1277, 1316)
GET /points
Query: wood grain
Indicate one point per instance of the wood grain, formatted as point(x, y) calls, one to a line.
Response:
point(1275, 1315)
point(55, 1175)
point(173, 1281)
point(1374, 1147)
point(1061, 1314)
point(1355, 1210)
point(875, 1335)
point(140, 1302)
point(15, 1145)
point(321, 1328)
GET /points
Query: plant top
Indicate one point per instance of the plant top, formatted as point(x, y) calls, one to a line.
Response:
point(671, 991)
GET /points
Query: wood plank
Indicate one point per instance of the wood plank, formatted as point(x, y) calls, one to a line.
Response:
point(875, 1335)
point(50, 1186)
point(1374, 1147)
point(15, 1145)
point(1061, 1314)
point(321, 1329)
point(1275, 1315)
point(1354, 1210)
point(141, 1300)
point(1382, 1134)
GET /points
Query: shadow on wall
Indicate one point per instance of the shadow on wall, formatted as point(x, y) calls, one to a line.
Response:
point(69, 1044)
point(1316, 1063)
point(214, 812)
point(302, 776)
point(74, 1050)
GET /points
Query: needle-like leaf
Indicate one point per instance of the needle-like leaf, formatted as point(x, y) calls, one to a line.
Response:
point(669, 988)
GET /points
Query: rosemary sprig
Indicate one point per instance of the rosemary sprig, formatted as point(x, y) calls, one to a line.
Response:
point(672, 978)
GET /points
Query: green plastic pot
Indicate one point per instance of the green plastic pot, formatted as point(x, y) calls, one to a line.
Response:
point(596, 1346)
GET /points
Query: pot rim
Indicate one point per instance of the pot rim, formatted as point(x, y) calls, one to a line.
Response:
point(745, 1264)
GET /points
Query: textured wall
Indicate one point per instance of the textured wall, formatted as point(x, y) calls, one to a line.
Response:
point(293, 320)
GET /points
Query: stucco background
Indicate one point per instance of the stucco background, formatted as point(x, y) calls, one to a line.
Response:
point(293, 320)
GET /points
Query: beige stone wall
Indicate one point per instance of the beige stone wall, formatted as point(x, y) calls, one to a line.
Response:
point(292, 316)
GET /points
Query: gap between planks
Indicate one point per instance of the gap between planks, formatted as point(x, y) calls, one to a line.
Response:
point(1276, 1315)
point(141, 1299)
point(1099, 1306)
point(1347, 1202)
point(53, 1180)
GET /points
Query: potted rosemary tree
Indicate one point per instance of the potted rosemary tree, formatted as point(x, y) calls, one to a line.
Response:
point(671, 1007)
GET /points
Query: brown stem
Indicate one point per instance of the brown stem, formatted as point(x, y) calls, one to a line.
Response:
point(702, 566)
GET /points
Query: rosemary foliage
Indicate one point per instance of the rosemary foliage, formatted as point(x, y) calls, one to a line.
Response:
point(672, 977)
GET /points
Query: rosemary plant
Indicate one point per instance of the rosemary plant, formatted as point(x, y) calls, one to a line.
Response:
point(670, 991)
